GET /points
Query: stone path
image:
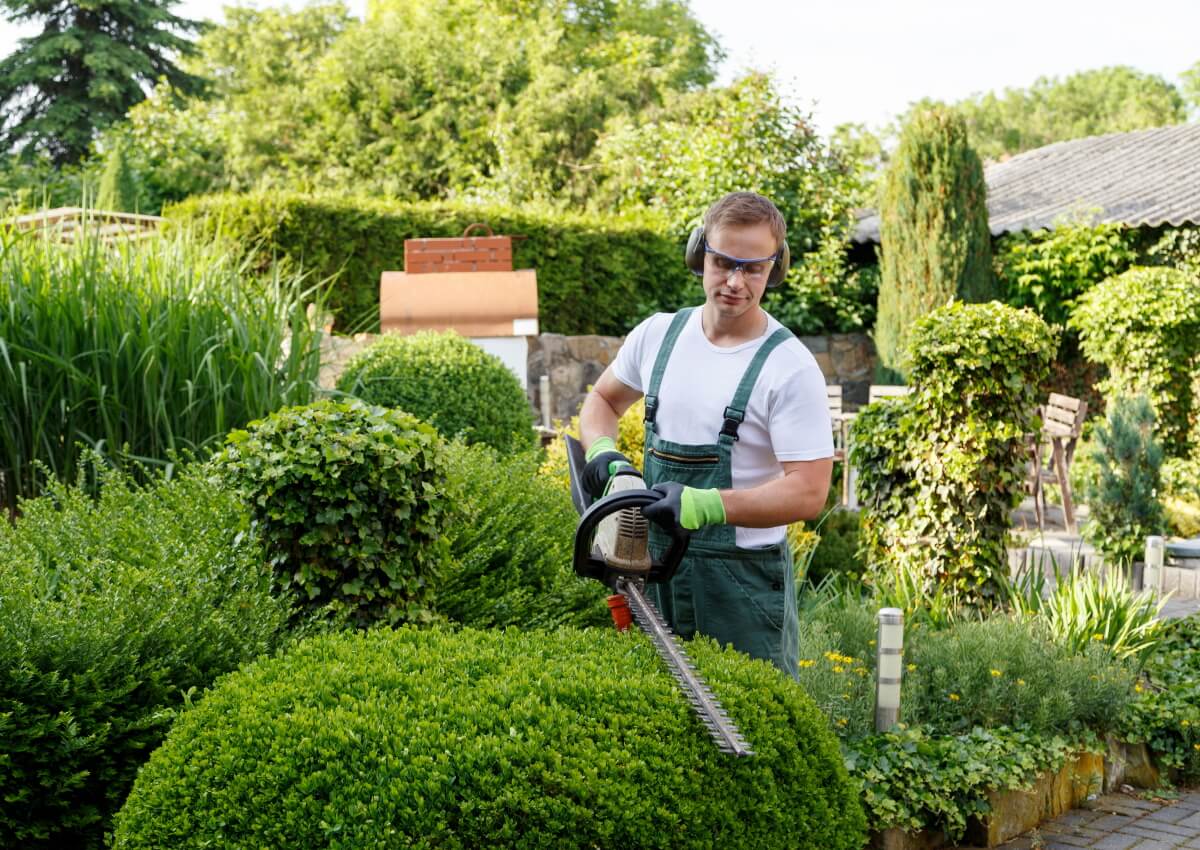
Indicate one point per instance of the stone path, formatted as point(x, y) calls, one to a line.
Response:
point(1120, 822)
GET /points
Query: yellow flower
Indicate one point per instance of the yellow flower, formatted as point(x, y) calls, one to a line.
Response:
point(1020, 681)
point(1196, 746)
point(807, 662)
point(954, 697)
point(832, 656)
point(912, 667)
point(1185, 723)
point(837, 668)
point(862, 671)
point(1137, 688)
point(996, 674)
point(1097, 636)
point(842, 721)
point(870, 643)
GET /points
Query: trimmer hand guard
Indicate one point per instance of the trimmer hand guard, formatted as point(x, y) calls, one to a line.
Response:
point(591, 564)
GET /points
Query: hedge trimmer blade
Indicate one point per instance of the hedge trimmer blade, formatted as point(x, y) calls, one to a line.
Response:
point(705, 704)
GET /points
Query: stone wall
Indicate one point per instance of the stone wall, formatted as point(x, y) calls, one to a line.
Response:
point(573, 364)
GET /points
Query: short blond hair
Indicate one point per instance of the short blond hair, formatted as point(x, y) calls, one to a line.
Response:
point(743, 209)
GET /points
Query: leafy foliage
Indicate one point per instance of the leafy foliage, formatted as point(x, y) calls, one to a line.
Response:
point(1166, 711)
point(1114, 99)
point(1048, 269)
point(435, 98)
point(113, 610)
point(623, 268)
point(1124, 496)
point(118, 191)
point(499, 739)
point(836, 551)
point(511, 547)
point(85, 69)
point(351, 503)
point(631, 435)
point(1181, 495)
point(941, 468)
point(1144, 325)
point(449, 382)
point(914, 780)
point(935, 244)
point(138, 349)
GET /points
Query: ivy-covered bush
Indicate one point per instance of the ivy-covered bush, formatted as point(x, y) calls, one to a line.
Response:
point(449, 382)
point(623, 268)
point(1048, 269)
point(351, 502)
point(511, 543)
point(114, 608)
point(941, 469)
point(1123, 499)
point(1144, 325)
point(567, 739)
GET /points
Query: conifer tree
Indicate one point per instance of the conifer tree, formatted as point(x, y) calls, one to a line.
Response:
point(1123, 499)
point(118, 189)
point(933, 231)
point(92, 61)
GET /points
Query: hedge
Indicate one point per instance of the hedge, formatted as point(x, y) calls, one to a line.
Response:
point(113, 611)
point(501, 739)
point(595, 274)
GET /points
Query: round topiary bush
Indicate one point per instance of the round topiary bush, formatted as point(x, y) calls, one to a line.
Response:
point(350, 501)
point(433, 738)
point(447, 381)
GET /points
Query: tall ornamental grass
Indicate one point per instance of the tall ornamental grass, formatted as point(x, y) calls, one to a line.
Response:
point(138, 350)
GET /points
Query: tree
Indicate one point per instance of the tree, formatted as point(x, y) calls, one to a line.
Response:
point(85, 69)
point(118, 189)
point(1089, 103)
point(498, 99)
point(1191, 88)
point(935, 244)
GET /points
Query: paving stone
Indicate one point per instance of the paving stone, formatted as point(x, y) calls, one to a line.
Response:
point(1112, 822)
point(1116, 842)
point(1151, 844)
point(1158, 829)
point(1169, 814)
point(1191, 821)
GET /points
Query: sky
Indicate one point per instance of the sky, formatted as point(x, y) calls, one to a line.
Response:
point(864, 61)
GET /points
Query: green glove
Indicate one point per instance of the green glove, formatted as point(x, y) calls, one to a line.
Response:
point(686, 508)
point(603, 461)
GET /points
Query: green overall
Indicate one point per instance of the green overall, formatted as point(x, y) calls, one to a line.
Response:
point(743, 597)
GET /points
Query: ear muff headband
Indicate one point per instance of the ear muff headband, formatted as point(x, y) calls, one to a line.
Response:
point(694, 258)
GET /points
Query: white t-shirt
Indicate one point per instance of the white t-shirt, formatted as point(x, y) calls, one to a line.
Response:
point(787, 417)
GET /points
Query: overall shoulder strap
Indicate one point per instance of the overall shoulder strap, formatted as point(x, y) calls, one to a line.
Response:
point(660, 364)
point(736, 412)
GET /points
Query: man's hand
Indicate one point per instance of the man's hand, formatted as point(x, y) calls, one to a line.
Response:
point(603, 461)
point(685, 508)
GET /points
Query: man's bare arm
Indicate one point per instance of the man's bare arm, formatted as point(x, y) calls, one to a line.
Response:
point(799, 494)
point(603, 406)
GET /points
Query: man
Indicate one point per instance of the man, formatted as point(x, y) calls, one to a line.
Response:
point(738, 436)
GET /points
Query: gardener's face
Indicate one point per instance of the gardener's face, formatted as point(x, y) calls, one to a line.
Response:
point(731, 287)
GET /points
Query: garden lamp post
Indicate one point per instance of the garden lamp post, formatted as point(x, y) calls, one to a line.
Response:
point(888, 668)
point(1152, 572)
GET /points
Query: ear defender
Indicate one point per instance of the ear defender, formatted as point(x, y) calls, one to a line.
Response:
point(693, 257)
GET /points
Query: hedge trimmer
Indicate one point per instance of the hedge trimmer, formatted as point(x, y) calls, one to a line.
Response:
point(612, 546)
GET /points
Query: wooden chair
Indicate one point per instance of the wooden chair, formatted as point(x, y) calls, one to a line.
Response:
point(882, 391)
point(1052, 452)
point(841, 420)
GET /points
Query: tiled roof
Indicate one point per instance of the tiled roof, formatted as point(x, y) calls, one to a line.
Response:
point(1141, 178)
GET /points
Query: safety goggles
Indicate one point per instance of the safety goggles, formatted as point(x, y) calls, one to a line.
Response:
point(756, 270)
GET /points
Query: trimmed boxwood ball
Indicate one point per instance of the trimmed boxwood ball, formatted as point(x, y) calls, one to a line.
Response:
point(351, 502)
point(448, 381)
point(437, 738)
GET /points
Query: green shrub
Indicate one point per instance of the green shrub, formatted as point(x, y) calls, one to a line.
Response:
point(1048, 269)
point(1011, 672)
point(1084, 609)
point(112, 611)
point(137, 349)
point(1123, 498)
point(511, 545)
point(491, 739)
point(351, 503)
point(1166, 711)
point(1181, 495)
point(449, 382)
point(1144, 325)
point(941, 468)
point(622, 268)
point(934, 239)
point(836, 552)
point(914, 780)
